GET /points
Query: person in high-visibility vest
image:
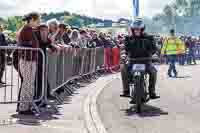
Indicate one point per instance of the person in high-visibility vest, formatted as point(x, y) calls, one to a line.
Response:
point(172, 47)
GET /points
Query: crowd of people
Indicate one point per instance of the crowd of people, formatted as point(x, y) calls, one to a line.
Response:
point(61, 35)
point(190, 50)
point(55, 36)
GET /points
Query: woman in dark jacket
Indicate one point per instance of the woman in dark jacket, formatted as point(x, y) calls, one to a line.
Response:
point(27, 62)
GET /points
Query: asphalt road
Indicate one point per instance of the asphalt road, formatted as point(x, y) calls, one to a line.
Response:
point(178, 110)
point(71, 117)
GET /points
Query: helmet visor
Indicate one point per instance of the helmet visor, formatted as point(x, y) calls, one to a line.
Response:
point(137, 25)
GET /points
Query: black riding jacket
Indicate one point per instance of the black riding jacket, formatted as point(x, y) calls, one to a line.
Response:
point(140, 47)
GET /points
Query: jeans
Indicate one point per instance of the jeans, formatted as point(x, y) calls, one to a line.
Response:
point(191, 57)
point(172, 65)
point(181, 59)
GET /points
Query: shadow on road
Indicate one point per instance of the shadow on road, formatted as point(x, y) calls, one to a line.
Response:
point(181, 77)
point(33, 120)
point(47, 114)
point(147, 111)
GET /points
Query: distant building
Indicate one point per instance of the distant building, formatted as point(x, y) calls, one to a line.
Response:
point(195, 7)
point(123, 20)
point(108, 23)
point(100, 25)
point(121, 23)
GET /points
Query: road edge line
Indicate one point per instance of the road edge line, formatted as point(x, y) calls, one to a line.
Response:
point(92, 119)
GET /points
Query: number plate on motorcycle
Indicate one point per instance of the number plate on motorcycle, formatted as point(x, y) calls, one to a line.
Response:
point(139, 67)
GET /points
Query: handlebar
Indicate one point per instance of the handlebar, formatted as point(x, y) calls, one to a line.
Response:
point(144, 59)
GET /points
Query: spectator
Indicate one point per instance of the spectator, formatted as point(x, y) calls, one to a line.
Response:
point(84, 39)
point(53, 29)
point(92, 42)
point(108, 42)
point(3, 42)
point(69, 32)
point(120, 42)
point(44, 43)
point(27, 38)
point(53, 26)
point(97, 42)
point(190, 44)
point(92, 32)
point(75, 39)
point(62, 37)
point(102, 38)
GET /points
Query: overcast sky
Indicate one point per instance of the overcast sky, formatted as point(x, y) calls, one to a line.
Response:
point(99, 8)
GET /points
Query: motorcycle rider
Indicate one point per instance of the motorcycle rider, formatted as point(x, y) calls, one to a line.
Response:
point(139, 45)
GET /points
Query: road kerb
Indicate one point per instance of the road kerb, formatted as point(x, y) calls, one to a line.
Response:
point(92, 119)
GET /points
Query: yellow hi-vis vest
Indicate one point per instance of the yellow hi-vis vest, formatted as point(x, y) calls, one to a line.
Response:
point(173, 46)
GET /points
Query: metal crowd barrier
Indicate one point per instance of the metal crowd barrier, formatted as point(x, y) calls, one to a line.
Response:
point(99, 59)
point(23, 77)
point(50, 76)
point(68, 65)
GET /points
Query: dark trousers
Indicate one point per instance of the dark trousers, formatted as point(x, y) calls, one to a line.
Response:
point(150, 69)
point(181, 59)
point(125, 80)
point(39, 79)
point(172, 65)
point(16, 57)
point(2, 63)
point(191, 57)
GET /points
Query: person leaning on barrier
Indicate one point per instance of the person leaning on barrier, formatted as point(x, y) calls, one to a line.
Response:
point(110, 42)
point(53, 26)
point(53, 29)
point(69, 32)
point(108, 45)
point(102, 38)
point(27, 62)
point(44, 43)
point(61, 37)
point(75, 39)
point(139, 45)
point(95, 41)
point(3, 42)
point(120, 42)
point(84, 38)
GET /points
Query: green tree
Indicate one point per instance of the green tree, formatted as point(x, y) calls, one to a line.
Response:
point(14, 23)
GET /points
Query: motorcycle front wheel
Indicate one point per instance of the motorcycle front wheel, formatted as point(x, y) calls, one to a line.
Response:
point(139, 89)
